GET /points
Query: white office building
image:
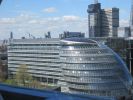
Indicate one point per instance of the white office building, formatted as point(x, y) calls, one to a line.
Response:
point(40, 55)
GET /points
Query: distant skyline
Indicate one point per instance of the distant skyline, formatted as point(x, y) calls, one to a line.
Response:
point(39, 16)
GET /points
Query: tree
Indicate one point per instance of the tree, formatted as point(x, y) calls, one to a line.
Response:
point(3, 71)
point(10, 82)
point(22, 77)
point(36, 84)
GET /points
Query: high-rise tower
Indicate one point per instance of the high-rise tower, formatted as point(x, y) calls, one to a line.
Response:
point(131, 14)
point(131, 19)
point(11, 35)
point(102, 22)
point(94, 19)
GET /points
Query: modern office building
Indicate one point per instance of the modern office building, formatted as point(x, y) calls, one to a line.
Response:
point(122, 46)
point(89, 67)
point(40, 55)
point(131, 19)
point(68, 34)
point(124, 32)
point(48, 35)
point(47, 59)
point(110, 22)
point(130, 27)
point(102, 22)
point(94, 20)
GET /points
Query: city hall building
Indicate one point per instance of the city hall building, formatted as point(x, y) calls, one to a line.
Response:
point(81, 65)
point(89, 67)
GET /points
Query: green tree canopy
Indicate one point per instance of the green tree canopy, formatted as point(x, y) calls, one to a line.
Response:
point(22, 77)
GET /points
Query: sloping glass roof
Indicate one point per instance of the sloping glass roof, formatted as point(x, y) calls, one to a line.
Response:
point(79, 40)
point(114, 81)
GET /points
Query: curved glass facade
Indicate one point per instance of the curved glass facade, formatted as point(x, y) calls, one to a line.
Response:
point(92, 68)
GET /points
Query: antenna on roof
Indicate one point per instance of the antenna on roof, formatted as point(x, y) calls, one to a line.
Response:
point(31, 36)
point(95, 1)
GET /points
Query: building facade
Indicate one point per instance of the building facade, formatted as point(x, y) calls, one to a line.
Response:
point(122, 46)
point(110, 22)
point(102, 22)
point(131, 19)
point(92, 68)
point(40, 55)
point(124, 32)
point(78, 66)
point(94, 20)
point(129, 52)
point(68, 34)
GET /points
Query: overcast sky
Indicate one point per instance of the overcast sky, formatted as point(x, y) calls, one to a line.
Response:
point(39, 16)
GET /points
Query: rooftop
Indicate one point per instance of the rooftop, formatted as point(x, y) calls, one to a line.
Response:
point(79, 41)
